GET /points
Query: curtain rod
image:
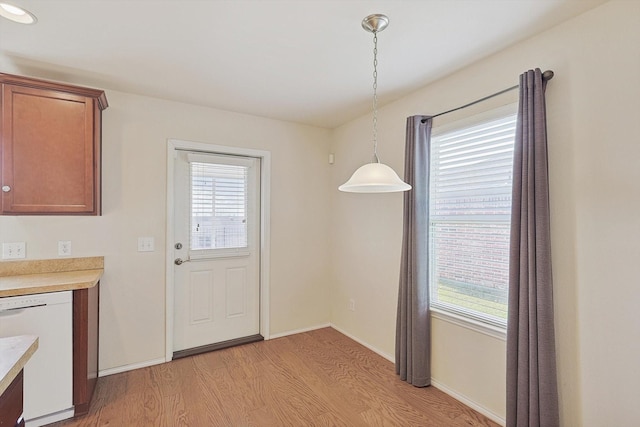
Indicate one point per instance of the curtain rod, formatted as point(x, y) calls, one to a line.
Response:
point(547, 75)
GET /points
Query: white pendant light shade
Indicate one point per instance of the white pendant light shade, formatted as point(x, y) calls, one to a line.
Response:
point(374, 178)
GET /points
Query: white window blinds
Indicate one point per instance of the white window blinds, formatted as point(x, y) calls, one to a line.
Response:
point(218, 206)
point(470, 207)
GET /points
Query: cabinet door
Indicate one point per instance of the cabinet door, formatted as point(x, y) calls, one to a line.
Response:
point(49, 152)
point(86, 308)
point(11, 402)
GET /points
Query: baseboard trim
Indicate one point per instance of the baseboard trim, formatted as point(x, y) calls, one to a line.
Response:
point(299, 331)
point(131, 367)
point(390, 358)
point(470, 403)
point(217, 346)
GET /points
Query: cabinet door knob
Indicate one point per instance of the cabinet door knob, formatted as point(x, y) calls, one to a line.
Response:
point(6, 188)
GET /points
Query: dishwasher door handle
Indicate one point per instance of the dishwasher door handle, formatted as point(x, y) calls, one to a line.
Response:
point(18, 310)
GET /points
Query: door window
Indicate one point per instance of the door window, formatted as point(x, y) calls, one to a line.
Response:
point(218, 221)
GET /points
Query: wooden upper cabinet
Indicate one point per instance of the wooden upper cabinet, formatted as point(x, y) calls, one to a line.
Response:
point(50, 143)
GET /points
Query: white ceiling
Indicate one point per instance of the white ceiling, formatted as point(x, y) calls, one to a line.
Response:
point(305, 61)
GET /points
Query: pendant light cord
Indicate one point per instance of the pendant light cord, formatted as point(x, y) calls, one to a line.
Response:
point(375, 98)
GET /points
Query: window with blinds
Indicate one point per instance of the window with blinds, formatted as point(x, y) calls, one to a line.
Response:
point(218, 206)
point(470, 208)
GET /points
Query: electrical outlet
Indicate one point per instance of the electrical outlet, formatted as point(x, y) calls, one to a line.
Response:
point(146, 244)
point(14, 250)
point(352, 305)
point(64, 247)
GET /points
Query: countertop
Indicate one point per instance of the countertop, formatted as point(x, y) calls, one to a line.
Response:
point(15, 352)
point(40, 276)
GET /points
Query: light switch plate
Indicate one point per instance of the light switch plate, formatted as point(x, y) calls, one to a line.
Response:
point(15, 250)
point(146, 244)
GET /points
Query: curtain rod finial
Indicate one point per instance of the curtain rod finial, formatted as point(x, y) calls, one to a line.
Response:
point(548, 75)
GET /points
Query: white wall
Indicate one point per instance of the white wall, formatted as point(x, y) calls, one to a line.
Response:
point(593, 104)
point(135, 133)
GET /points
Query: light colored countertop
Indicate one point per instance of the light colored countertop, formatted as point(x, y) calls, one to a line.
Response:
point(15, 352)
point(40, 276)
point(28, 284)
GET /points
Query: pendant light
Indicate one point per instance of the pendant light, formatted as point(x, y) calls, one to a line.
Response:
point(374, 177)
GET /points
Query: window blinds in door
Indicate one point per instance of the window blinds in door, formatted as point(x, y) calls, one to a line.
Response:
point(218, 204)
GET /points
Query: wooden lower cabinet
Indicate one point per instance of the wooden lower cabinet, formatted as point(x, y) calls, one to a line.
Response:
point(86, 303)
point(11, 403)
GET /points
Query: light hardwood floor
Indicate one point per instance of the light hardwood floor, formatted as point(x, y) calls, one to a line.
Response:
point(317, 378)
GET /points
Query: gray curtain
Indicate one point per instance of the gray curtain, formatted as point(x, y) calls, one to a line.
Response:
point(532, 393)
point(413, 325)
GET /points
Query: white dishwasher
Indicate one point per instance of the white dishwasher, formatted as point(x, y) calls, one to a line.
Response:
point(48, 376)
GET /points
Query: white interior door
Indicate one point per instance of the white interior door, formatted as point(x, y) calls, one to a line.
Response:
point(216, 248)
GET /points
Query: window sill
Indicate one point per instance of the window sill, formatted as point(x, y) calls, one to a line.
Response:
point(492, 331)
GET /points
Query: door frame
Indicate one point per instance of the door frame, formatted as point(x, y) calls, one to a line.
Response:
point(265, 195)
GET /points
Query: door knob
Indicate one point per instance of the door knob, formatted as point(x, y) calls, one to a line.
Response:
point(6, 188)
point(180, 261)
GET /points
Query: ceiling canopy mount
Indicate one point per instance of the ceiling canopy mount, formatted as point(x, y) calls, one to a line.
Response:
point(375, 23)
